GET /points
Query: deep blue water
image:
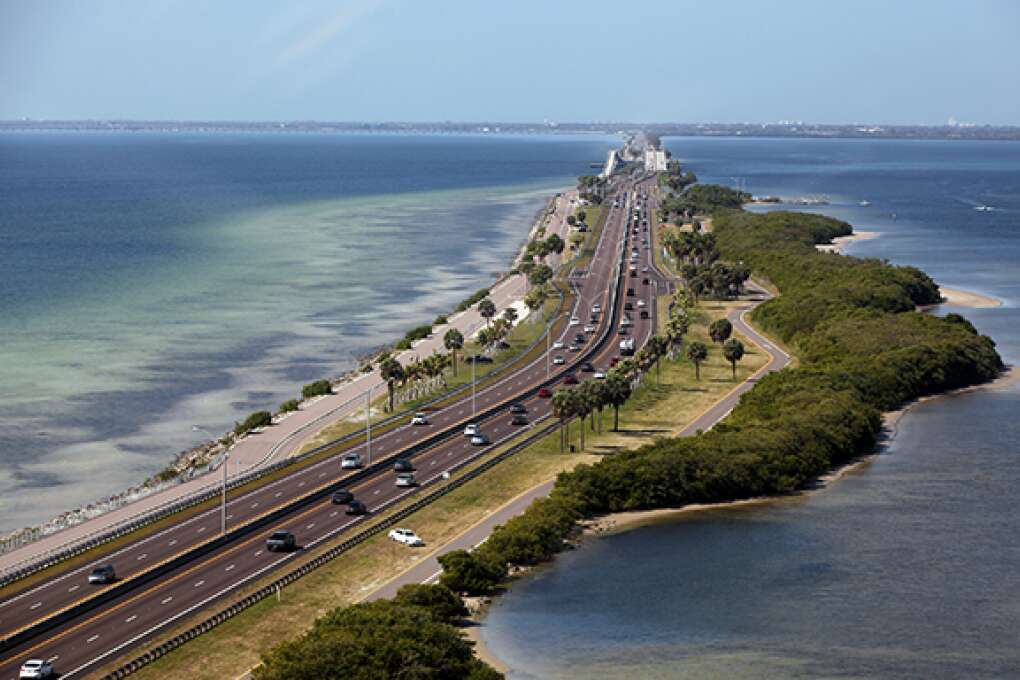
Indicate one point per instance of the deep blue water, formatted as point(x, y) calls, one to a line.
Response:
point(152, 282)
point(904, 568)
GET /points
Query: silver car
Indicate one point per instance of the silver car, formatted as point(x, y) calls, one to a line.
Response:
point(406, 479)
point(352, 461)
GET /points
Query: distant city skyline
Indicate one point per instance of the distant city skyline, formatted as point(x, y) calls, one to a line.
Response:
point(912, 62)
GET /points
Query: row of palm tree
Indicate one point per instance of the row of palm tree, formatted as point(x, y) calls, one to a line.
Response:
point(691, 247)
point(588, 399)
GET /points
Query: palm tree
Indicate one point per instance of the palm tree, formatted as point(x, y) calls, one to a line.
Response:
point(392, 372)
point(657, 345)
point(563, 409)
point(733, 350)
point(720, 330)
point(600, 399)
point(487, 308)
point(617, 394)
point(697, 352)
point(510, 314)
point(453, 340)
point(582, 407)
point(676, 329)
point(535, 298)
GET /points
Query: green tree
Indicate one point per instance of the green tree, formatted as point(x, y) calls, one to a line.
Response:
point(465, 572)
point(697, 353)
point(563, 410)
point(392, 372)
point(444, 604)
point(571, 220)
point(720, 330)
point(540, 275)
point(657, 347)
point(510, 314)
point(600, 399)
point(487, 308)
point(617, 394)
point(555, 244)
point(453, 340)
point(733, 350)
point(255, 420)
point(535, 298)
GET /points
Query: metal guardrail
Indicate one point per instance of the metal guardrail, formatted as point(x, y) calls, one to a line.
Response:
point(272, 588)
point(86, 543)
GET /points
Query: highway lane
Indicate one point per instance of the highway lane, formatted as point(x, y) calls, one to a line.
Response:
point(68, 586)
point(157, 605)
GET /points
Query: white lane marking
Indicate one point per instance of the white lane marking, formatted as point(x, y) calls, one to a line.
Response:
point(310, 525)
point(131, 618)
point(173, 542)
point(450, 453)
point(332, 514)
point(142, 556)
point(229, 567)
point(257, 553)
point(167, 599)
point(300, 483)
point(92, 639)
point(322, 474)
point(277, 494)
point(200, 584)
point(201, 529)
point(230, 517)
point(376, 492)
point(72, 589)
point(36, 605)
point(255, 504)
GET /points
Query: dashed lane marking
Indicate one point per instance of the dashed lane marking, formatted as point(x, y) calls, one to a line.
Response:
point(131, 618)
point(200, 584)
point(167, 599)
point(92, 639)
point(229, 567)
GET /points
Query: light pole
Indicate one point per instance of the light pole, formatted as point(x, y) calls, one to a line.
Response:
point(474, 362)
point(368, 423)
point(223, 503)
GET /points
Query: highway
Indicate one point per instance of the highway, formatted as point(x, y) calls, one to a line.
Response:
point(149, 605)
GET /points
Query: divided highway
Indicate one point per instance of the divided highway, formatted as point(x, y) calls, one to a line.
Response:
point(170, 574)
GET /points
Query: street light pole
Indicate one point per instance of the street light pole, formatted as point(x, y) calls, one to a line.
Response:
point(474, 363)
point(223, 503)
point(368, 423)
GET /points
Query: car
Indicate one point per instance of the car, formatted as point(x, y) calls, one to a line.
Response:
point(403, 465)
point(579, 337)
point(478, 359)
point(614, 361)
point(570, 379)
point(405, 536)
point(587, 367)
point(599, 375)
point(596, 309)
point(645, 281)
point(352, 461)
point(644, 270)
point(356, 508)
point(590, 328)
point(280, 540)
point(558, 345)
point(626, 321)
point(519, 420)
point(644, 313)
point(102, 574)
point(406, 479)
point(574, 321)
point(419, 419)
point(640, 303)
point(471, 429)
point(517, 409)
point(544, 393)
point(630, 292)
point(574, 347)
point(622, 330)
point(633, 272)
point(36, 668)
point(559, 360)
point(341, 497)
point(628, 306)
point(480, 440)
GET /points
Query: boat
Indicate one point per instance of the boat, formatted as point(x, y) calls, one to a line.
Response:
point(984, 208)
point(864, 204)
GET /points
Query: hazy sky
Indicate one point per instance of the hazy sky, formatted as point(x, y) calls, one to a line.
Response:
point(894, 61)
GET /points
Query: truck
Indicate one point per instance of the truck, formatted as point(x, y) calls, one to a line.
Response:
point(627, 347)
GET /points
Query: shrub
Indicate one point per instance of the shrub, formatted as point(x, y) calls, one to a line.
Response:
point(289, 405)
point(316, 389)
point(256, 419)
point(441, 320)
point(465, 572)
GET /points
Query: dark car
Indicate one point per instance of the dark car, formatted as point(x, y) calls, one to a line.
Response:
point(644, 313)
point(570, 379)
point(342, 497)
point(519, 420)
point(356, 508)
point(545, 393)
point(622, 330)
point(280, 541)
point(479, 359)
point(628, 306)
point(645, 281)
point(103, 574)
point(579, 337)
point(516, 409)
point(403, 465)
point(630, 292)
point(614, 361)
point(587, 367)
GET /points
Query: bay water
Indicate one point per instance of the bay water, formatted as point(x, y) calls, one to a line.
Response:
point(908, 565)
point(156, 287)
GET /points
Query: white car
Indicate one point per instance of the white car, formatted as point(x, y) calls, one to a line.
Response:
point(590, 328)
point(644, 269)
point(574, 321)
point(36, 668)
point(406, 536)
point(471, 430)
point(599, 375)
point(480, 440)
point(558, 344)
point(596, 309)
point(419, 419)
point(352, 461)
point(558, 360)
point(406, 480)
point(640, 303)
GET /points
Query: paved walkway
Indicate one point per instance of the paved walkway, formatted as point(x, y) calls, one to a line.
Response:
point(286, 436)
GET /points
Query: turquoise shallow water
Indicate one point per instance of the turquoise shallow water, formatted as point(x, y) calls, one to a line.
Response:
point(906, 567)
point(155, 282)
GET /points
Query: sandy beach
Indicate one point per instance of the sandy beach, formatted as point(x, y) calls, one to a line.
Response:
point(965, 298)
point(841, 242)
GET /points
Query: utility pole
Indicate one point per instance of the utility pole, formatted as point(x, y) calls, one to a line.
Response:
point(368, 423)
point(474, 363)
point(223, 504)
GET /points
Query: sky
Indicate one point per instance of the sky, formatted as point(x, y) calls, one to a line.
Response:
point(888, 61)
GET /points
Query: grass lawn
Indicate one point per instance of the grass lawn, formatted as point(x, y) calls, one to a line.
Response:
point(656, 409)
